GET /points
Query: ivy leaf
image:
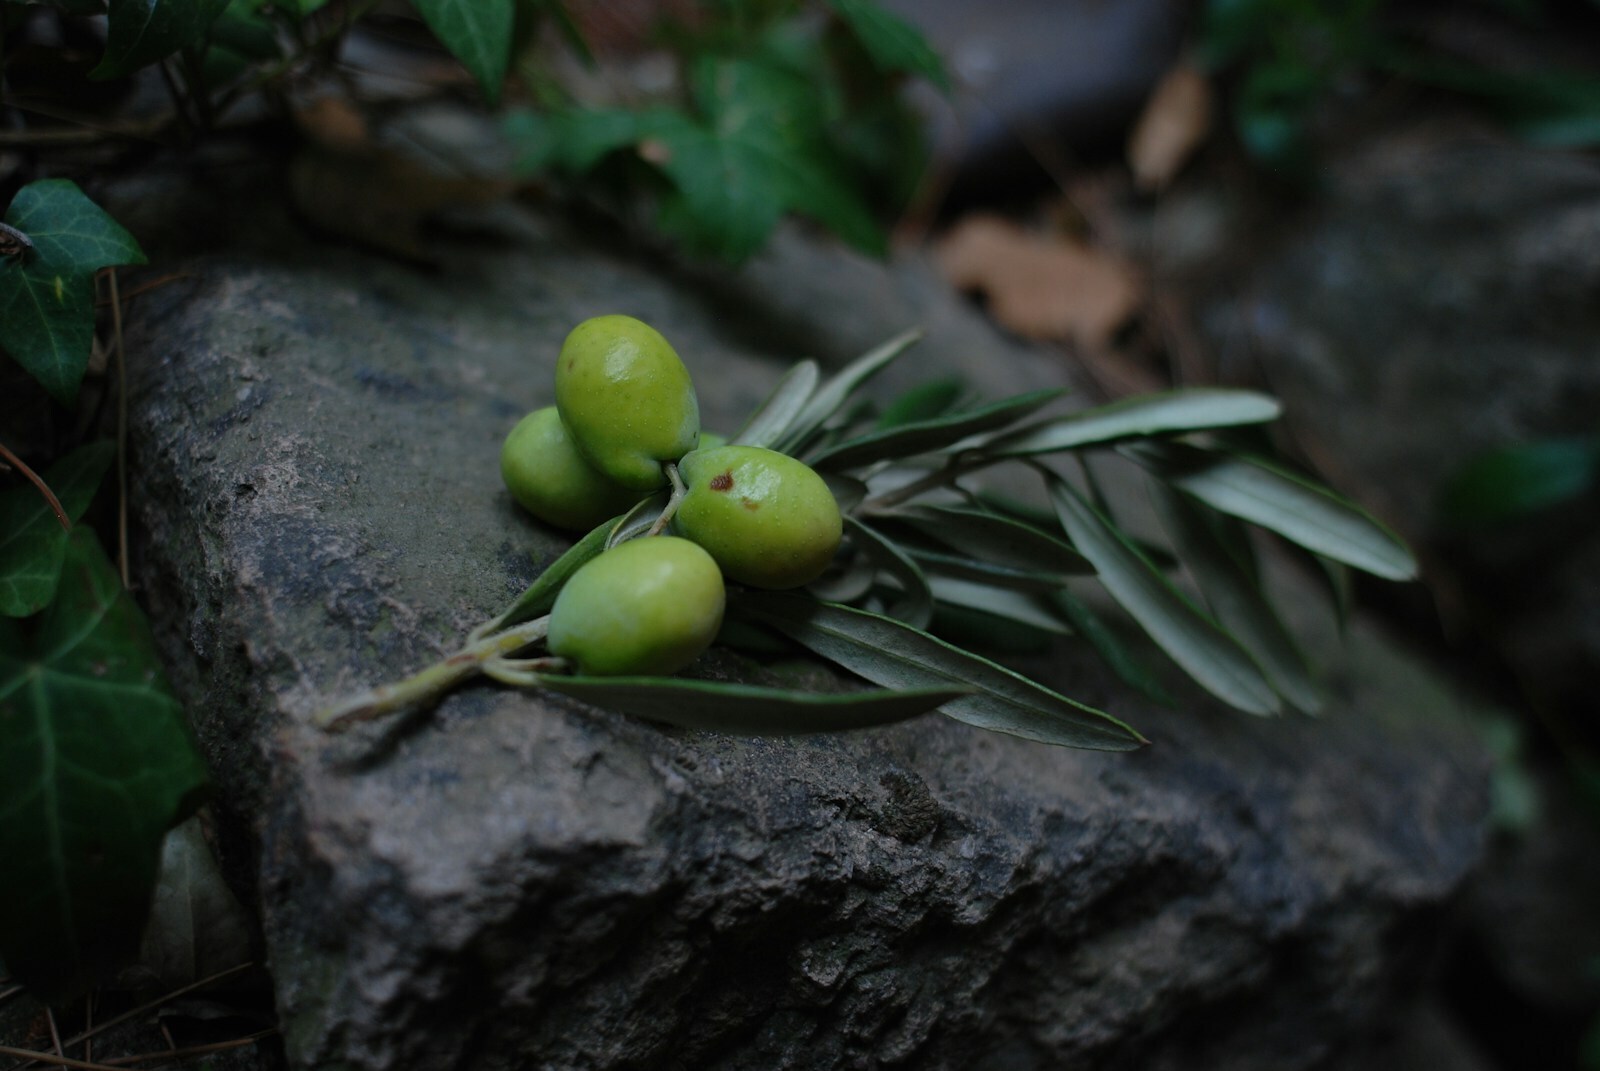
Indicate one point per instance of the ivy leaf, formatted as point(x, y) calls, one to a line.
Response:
point(1181, 629)
point(140, 32)
point(98, 765)
point(478, 33)
point(745, 708)
point(32, 542)
point(895, 655)
point(936, 433)
point(894, 45)
point(1301, 511)
point(47, 295)
point(1164, 413)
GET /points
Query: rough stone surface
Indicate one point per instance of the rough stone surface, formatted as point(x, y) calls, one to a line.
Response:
point(509, 881)
point(1438, 300)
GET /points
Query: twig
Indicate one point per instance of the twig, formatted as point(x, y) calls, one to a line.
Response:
point(49, 496)
point(429, 683)
point(37, 1057)
point(55, 1034)
point(154, 284)
point(191, 1050)
point(132, 1013)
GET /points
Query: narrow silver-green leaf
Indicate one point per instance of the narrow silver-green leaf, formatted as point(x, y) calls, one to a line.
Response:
point(847, 491)
point(837, 390)
point(774, 416)
point(969, 568)
point(1236, 601)
point(541, 594)
point(1166, 413)
point(993, 537)
point(1298, 509)
point(928, 436)
point(1028, 608)
point(638, 520)
point(894, 655)
point(751, 709)
point(915, 604)
point(1179, 627)
point(1116, 654)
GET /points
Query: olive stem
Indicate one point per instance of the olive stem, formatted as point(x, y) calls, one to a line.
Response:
point(679, 491)
point(523, 672)
point(428, 684)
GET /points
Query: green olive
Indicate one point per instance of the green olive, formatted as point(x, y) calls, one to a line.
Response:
point(549, 478)
point(648, 606)
point(769, 520)
point(627, 400)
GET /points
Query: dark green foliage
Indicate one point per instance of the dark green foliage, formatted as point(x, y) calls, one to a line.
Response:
point(33, 544)
point(47, 294)
point(1517, 481)
point(97, 766)
point(773, 117)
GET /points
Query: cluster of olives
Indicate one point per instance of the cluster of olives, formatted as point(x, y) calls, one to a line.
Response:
point(626, 424)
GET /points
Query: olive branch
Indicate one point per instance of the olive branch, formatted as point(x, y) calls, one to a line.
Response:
point(927, 549)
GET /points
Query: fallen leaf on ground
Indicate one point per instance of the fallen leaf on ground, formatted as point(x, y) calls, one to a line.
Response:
point(1040, 287)
point(1175, 122)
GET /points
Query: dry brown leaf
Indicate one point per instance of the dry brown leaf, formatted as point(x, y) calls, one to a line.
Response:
point(1175, 122)
point(1040, 287)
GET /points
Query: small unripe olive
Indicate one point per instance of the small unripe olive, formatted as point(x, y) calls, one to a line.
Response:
point(648, 606)
point(627, 400)
point(769, 520)
point(549, 478)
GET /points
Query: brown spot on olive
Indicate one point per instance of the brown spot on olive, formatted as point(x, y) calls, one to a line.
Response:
point(722, 481)
point(750, 504)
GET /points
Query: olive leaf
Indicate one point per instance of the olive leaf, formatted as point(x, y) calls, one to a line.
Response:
point(828, 398)
point(915, 604)
point(895, 655)
point(922, 402)
point(774, 416)
point(994, 537)
point(1178, 627)
point(1266, 494)
point(927, 436)
point(992, 573)
point(1236, 600)
point(746, 708)
point(541, 594)
point(1164, 413)
point(1024, 607)
point(1116, 654)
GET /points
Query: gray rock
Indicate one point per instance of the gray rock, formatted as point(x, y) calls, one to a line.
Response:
point(516, 881)
point(1437, 300)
